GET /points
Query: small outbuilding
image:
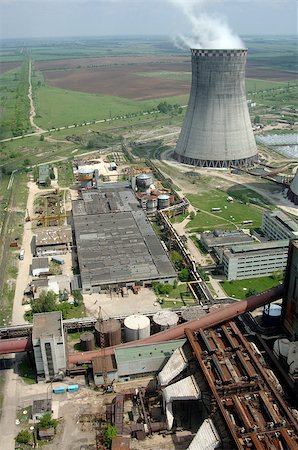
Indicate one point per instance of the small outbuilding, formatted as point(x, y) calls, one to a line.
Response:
point(101, 363)
point(41, 407)
point(39, 266)
point(46, 434)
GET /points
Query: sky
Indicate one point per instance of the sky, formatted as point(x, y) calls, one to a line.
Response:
point(61, 18)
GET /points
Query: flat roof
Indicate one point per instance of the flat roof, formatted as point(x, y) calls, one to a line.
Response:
point(225, 239)
point(125, 354)
point(286, 220)
point(43, 173)
point(53, 236)
point(47, 324)
point(115, 241)
point(40, 263)
point(282, 243)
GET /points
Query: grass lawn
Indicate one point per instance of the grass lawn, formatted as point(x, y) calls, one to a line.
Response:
point(239, 288)
point(26, 371)
point(60, 107)
point(181, 289)
point(233, 213)
point(179, 217)
point(65, 174)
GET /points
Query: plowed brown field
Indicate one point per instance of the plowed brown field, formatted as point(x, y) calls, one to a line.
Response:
point(5, 66)
point(118, 76)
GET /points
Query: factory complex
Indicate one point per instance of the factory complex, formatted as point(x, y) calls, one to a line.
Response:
point(116, 245)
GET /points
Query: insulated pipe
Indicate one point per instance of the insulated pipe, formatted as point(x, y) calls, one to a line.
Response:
point(15, 345)
point(210, 320)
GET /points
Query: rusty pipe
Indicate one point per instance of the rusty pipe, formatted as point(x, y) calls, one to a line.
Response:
point(210, 320)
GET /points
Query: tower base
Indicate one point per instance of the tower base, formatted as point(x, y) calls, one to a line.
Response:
point(292, 197)
point(214, 164)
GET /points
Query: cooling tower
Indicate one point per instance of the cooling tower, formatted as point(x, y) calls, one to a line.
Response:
point(217, 131)
point(293, 190)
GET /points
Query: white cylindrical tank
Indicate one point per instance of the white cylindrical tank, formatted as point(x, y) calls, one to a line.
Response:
point(281, 347)
point(292, 359)
point(136, 326)
point(163, 201)
point(144, 180)
point(164, 319)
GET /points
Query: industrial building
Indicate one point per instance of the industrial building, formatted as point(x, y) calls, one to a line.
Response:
point(52, 241)
point(49, 346)
point(116, 245)
point(290, 315)
point(238, 404)
point(278, 225)
point(220, 239)
point(41, 407)
point(293, 190)
point(255, 260)
point(43, 174)
point(217, 130)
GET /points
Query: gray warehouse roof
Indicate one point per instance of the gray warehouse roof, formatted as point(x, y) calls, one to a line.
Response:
point(53, 236)
point(115, 241)
point(40, 263)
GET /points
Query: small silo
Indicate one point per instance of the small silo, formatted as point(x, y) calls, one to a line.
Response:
point(192, 313)
point(86, 176)
point(144, 180)
point(271, 315)
point(111, 329)
point(163, 201)
point(136, 327)
point(164, 319)
point(151, 204)
point(87, 341)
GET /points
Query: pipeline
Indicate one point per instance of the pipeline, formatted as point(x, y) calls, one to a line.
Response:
point(15, 345)
point(210, 320)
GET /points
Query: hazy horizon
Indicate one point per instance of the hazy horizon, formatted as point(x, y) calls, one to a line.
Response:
point(43, 19)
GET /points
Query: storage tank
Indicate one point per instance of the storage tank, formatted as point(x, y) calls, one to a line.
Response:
point(281, 347)
point(292, 359)
point(111, 330)
point(163, 201)
point(86, 176)
point(293, 190)
point(151, 204)
point(164, 319)
point(192, 313)
point(271, 315)
point(144, 180)
point(136, 327)
point(87, 342)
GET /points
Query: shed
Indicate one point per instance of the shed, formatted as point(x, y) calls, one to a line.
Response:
point(104, 362)
point(39, 266)
point(40, 407)
point(43, 174)
point(46, 434)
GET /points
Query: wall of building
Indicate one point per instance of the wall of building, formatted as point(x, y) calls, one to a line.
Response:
point(257, 264)
point(275, 229)
point(290, 311)
point(49, 351)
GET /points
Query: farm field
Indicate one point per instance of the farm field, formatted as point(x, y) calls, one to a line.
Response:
point(231, 216)
point(242, 288)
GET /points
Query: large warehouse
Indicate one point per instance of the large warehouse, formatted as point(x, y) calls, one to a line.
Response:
point(116, 244)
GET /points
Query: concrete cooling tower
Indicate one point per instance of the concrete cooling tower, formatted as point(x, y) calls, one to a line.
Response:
point(293, 190)
point(217, 130)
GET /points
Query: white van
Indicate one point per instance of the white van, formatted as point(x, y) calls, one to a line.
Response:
point(22, 254)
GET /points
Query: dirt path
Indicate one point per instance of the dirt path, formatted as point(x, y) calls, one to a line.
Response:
point(32, 112)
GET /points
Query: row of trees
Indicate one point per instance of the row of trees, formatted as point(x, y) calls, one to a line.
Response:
point(49, 301)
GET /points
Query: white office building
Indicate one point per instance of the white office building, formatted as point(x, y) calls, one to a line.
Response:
point(278, 225)
point(255, 260)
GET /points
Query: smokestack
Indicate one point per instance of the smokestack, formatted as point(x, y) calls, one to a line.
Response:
point(217, 130)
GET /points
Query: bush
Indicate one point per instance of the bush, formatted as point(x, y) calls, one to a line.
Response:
point(23, 437)
point(109, 433)
point(161, 289)
point(184, 274)
point(47, 422)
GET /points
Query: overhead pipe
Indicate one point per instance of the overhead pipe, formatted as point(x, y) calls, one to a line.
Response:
point(210, 320)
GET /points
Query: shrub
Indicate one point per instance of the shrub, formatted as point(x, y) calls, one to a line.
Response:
point(23, 437)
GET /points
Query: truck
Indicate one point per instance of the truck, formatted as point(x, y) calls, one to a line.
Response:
point(57, 260)
point(21, 254)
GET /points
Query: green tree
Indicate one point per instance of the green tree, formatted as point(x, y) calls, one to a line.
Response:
point(23, 437)
point(46, 302)
point(177, 259)
point(41, 137)
point(47, 421)
point(78, 297)
point(184, 274)
point(109, 433)
point(250, 292)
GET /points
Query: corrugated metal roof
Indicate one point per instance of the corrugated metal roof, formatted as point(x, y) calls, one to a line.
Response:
point(173, 367)
point(186, 389)
point(206, 438)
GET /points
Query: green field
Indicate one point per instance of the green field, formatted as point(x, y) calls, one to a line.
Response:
point(232, 215)
point(59, 107)
point(14, 101)
point(241, 288)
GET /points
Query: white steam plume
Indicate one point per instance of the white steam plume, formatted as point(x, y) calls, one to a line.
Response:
point(207, 31)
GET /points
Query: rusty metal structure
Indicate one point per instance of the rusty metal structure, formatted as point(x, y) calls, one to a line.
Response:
point(244, 397)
